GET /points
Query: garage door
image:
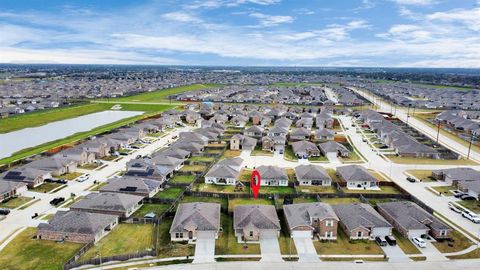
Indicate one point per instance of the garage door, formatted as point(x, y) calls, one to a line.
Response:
point(302, 234)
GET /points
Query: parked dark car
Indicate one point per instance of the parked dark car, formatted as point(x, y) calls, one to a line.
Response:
point(380, 241)
point(459, 194)
point(383, 147)
point(4, 211)
point(49, 180)
point(411, 179)
point(467, 197)
point(391, 240)
point(62, 181)
point(57, 201)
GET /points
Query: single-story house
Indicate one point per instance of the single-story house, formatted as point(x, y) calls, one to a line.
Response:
point(455, 175)
point(31, 176)
point(357, 177)
point(308, 175)
point(300, 134)
point(254, 132)
point(411, 220)
point(10, 189)
point(324, 134)
point(361, 221)
point(305, 149)
point(250, 222)
point(225, 172)
point(77, 226)
point(132, 185)
point(194, 219)
point(272, 176)
point(109, 203)
point(311, 219)
point(333, 148)
point(472, 188)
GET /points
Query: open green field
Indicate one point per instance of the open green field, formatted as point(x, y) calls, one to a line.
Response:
point(227, 242)
point(119, 241)
point(26, 253)
point(343, 245)
point(161, 95)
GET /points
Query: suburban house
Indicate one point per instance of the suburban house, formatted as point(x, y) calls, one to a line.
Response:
point(194, 137)
point(239, 120)
point(273, 176)
point(131, 185)
point(78, 155)
point(334, 149)
point(357, 177)
point(305, 123)
point(361, 221)
point(98, 148)
point(273, 143)
point(455, 175)
point(168, 161)
point(324, 134)
point(146, 169)
point(225, 172)
point(10, 189)
point(118, 204)
point(300, 134)
point(312, 175)
point(31, 176)
point(251, 222)
point(411, 220)
point(194, 219)
point(77, 226)
point(324, 120)
point(56, 165)
point(305, 149)
point(176, 153)
point(278, 131)
point(311, 219)
point(194, 148)
point(254, 132)
point(242, 142)
point(472, 188)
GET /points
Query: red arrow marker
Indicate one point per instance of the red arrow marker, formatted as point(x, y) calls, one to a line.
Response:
point(255, 180)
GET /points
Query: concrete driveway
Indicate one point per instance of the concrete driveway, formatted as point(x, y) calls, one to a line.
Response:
point(432, 253)
point(305, 249)
point(205, 247)
point(269, 247)
point(395, 254)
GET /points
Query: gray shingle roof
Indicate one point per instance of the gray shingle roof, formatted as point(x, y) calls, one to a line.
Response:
point(355, 173)
point(301, 213)
point(78, 222)
point(272, 172)
point(255, 216)
point(311, 172)
point(359, 215)
point(107, 201)
point(131, 185)
point(199, 215)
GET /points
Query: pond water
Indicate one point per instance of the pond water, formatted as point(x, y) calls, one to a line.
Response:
point(17, 140)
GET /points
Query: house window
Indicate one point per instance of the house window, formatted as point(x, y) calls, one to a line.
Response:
point(251, 234)
point(328, 234)
point(329, 223)
point(178, 235)
point(443, 233)
point(360, 234)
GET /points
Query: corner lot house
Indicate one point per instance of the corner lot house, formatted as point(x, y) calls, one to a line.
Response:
point(311, 220)
point(411, 220)
point(192, 219)
point(361, 221)
point(109, 203)
point(251, 221)
point(273, 176)
point(312, 175)
point(10, 189)
point(132, 185)
point(225, 172)
point(453, 176)
point(30, 176)
point(470, 187)
point(357, 177)
point(76, 226)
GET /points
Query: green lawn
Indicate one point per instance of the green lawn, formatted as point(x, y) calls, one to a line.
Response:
point(223, 202)
point(343, 245)
point(169, 193)
point(162, 95)
point(98, 186)
point(231, 153)
point(25, 253)
point(167, 248)
point(46, 187)
point(247, 201)
point(202, 187)
point(193, 168)
point(15, 202)
point(201, 159)
point(227, 242)
point(383, 190)
point(304, 200)
point(71, 176)
point(472, 205)
point(405, 244)
point(146, 208)
point(445, 190)
point(119, 241)
point(316, 189)
point(339, 200)
point(459, 242)
point(277, 190)
point(182, 179)
point(422, 175)
point(287, 246)
point(474, 254)
point(289, 154)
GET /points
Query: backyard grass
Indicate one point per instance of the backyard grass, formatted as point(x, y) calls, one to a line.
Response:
point(445, 190)
point(231, 153)
point(146, 208)
point(119, 241)
point(167, 248)
point(343, 245)
point(247, 201)
point(383, 190)
point(333, 174)
point(182, 179)
point(405, 244)
point(46, 187)
point(276, 190)
point(287, 246)
point(304, 200)
point(291, 175)
point(289, 154)
point(202, 187)
point(169, 193)
point(316, 189)
point(193, 168)
point(15, 202)
point(222, 201)
point(26, 253)
point(430, 161)
point(458, 242)
point(473, 205)
point(422, 175)
point(227, 242)
point(201, 159)
point(339, 200)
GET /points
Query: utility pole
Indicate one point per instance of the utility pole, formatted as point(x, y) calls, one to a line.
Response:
point(408, 112)
point(470, 145)
point(438, 130)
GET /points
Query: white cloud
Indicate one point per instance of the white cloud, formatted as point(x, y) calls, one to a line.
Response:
point(469, 17)
point(415, 2)
point(271, 20)
point(180, 16)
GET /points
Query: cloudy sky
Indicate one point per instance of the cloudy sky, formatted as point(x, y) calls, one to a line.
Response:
point(400, 33)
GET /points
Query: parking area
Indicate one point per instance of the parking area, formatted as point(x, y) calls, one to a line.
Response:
point(205, 247)
point(269, 247)
point(305, 249)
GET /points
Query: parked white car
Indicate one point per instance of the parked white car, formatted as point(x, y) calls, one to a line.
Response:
point(419, 242)
point(83, 178)
point(471, 216)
